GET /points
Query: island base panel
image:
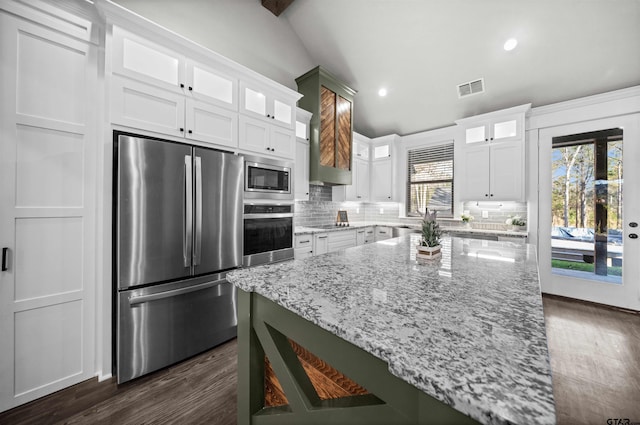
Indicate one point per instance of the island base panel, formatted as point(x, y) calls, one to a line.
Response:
point(265, 328)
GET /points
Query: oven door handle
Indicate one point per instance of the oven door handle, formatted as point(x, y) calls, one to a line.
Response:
point(267, 215)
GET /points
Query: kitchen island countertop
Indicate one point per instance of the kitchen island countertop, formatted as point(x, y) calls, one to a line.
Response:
point(467, 329)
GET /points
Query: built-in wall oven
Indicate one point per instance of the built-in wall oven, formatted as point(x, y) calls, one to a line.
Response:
point(266, 178)
point(268, 233)
point(268, 211)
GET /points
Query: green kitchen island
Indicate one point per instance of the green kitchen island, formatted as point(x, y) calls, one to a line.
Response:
point(456, 340)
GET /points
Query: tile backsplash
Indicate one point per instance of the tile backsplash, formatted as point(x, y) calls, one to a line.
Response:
point(320, 209)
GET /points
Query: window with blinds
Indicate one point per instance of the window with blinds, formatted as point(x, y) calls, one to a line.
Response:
point(430, 180)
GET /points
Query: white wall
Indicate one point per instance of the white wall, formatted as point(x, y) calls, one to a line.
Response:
point(241, 30)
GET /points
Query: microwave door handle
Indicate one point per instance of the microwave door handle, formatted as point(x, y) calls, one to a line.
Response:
point(197, 250)
point(188, 211)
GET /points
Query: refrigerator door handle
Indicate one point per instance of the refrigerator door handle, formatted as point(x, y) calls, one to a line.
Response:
point(188, 211)
point(197, 251)
point(133, 300)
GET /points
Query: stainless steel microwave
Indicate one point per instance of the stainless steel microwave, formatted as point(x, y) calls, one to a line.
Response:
point(266, 178)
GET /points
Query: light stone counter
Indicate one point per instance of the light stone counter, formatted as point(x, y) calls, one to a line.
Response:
point(467, 329)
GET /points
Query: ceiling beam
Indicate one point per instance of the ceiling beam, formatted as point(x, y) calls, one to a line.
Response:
point(276, 6)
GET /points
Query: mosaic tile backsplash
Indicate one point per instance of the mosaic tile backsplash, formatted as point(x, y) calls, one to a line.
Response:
point(320, 209)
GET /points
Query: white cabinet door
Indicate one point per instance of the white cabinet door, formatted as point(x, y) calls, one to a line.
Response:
point(302, 170)
point(476, 177)
point(263, 104)
point(303, 246)
point(361, 236)
point(358, 190)
point(141, 59)
point(47, 208)
point(320, 243)
point(212, 86)
point(369, 234)
point(361, 172)
point(383, 232)
point(282, 142)
point(507, 171)
point(254, 135)
point(493, 172)
point(382, 180)
point(139, 105)
point(208, 123)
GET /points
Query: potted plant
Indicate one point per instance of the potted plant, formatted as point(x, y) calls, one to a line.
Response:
point(466, 219)
point(515, 223)
point(429, 246)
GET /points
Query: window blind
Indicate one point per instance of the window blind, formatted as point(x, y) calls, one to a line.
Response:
point(430, 180)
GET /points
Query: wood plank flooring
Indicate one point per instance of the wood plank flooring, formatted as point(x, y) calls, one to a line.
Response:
point(594, 354)
point(595, 359)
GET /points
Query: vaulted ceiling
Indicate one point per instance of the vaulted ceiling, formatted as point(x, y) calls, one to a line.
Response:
point(420, 50)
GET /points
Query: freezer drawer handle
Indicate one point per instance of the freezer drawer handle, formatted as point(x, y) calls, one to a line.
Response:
point(174, 293)
point(197, 251)
point(188, 212)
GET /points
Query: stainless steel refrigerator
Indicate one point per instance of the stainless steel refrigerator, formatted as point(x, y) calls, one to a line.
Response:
point(178, 230)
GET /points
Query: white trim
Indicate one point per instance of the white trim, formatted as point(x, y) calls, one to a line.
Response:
point(615, 103)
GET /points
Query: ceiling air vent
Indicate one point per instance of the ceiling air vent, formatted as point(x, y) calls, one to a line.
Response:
point(472, 87)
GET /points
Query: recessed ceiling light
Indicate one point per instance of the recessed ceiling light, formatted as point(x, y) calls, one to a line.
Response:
point(510, 44)
point(382, 92)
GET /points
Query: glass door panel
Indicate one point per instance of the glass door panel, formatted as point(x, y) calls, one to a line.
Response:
point(589, 210)
point(586, 206)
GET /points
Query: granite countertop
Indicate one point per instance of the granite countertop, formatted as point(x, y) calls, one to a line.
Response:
point(302, 230)
point(467, 329)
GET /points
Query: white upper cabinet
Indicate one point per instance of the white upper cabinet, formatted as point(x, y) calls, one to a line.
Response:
point(491, 165)
point(262, 103)
point(382, 180)
point(156, 89)
point(358, 190)
point(159, 86)
point(266, 139)
point(209, 85)
point(502, 126)
point(301, 183)
point(141, 59)
point(138, 58)
point(360, 148)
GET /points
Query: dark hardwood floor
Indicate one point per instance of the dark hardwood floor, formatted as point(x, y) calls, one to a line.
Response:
point(594, 354)
point(595, 359)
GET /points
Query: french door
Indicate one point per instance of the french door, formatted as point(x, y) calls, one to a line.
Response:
point(589, 211)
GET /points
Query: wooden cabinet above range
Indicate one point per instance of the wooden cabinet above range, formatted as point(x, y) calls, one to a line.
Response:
point(331, 102)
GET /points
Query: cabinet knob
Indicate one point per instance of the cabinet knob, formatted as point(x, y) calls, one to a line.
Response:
point(190, 132)
point(181, 129)
point(307, 193)
point(491, 138)
point(486, 195)
point(190, 88)
point(486, 140)
point(181, 85)
point(491, 194)
point(268, 115)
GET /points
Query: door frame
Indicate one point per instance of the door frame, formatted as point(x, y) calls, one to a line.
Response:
point(627, 294)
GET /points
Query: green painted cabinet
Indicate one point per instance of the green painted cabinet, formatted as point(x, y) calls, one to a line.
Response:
point(331, 127)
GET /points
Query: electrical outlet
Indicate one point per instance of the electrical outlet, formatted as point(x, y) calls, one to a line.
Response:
point(357, 210)
point(381, 210)
point(485, 214)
